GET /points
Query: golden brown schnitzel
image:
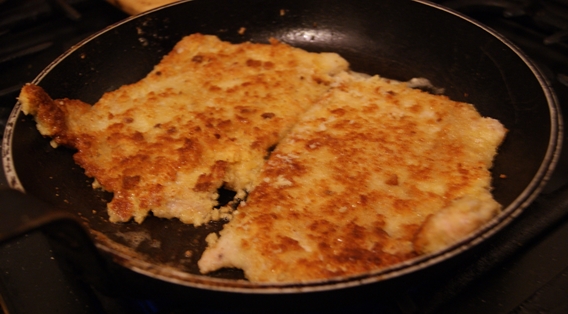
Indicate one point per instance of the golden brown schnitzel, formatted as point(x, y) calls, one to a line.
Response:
point(337, 173)
point(205, 117)
point(374, 174)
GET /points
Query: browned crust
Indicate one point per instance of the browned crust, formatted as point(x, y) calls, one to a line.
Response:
point(350, 187)
point(205, 117)
point(372, 175)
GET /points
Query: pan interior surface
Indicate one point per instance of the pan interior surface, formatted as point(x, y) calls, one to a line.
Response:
point(395, 39)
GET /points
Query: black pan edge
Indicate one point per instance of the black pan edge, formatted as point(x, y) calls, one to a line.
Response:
point(509, 213)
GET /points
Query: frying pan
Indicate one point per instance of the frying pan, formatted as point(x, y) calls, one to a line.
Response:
point(396, 39)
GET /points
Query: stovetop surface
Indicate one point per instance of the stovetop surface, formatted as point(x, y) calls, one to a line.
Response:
point(531, 272)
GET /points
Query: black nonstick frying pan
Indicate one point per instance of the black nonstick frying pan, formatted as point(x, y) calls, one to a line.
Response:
point(396, 39)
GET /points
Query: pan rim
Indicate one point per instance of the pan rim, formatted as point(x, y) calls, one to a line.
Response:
point(508, 214)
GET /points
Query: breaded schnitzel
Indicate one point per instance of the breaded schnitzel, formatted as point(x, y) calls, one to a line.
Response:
point(337, 173)
point(205, 117)
point(374, 174)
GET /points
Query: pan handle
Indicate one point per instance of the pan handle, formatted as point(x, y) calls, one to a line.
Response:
point(21, 214)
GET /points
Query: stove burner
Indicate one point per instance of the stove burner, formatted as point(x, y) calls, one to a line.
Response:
point(544, 22)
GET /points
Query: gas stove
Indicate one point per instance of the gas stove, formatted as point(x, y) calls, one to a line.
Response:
point(522, 269)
